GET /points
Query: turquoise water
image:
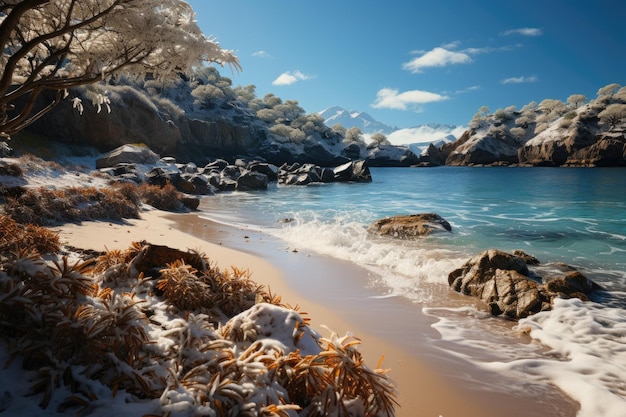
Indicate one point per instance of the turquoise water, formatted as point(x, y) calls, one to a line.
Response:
point(571, 215)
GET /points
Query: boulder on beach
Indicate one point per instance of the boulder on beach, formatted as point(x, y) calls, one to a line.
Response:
point(504, 282)
point(410, 226)
point(131, 154)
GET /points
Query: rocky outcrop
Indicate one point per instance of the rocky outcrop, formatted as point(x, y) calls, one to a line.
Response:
point(139, 164)
point(485, 149)
point(129, 154)
point(199, 136)
point(134, 119)
point(549, 134)
point(581, 148)
point(296, 174)
point(504, 282)
point(409, 226)
point(390, 156)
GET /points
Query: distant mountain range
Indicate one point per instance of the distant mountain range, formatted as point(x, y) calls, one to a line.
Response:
point(350, 118)
point(418, 138)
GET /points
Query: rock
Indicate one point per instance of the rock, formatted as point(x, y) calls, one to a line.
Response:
point(504, 282)
point(356, 171)
point(501, 281)
point(251, 180)
point(391, 156)
point(5, 150)
point(227, 184)
point(217, 165)
point(136, 119)
point(155, 257)
point(571, 285)
point(297, 174)
point(162, 176)
point(529, 259)
point(410, 226)
point(132, 154)
point(327, 175)
point(185, 186)
point(231, 172)
point(432, 157)
point(352, 151)
point(9, 169)
point(190, 202)
point(270, 170)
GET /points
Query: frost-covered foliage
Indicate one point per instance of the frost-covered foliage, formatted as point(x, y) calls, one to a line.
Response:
point(180, 339)
point(54, 45)
point(14, 235)
point(497, 137)
point(609, 109)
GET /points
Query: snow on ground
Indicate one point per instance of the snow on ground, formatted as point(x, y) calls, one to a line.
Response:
point(261, 346)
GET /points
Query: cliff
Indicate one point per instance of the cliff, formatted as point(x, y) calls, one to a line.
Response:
point(549, 134)
point(192, 122)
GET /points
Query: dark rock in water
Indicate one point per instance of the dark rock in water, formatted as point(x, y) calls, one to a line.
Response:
point(251, 180)
point(504, 282)
point(571, 284)
point(217, 165)
point(304, 174)
point(227, 184)
point(132, 154)
point(327, 175)
point(356, 171)
point(264, 168)
point(410, 226)
point(191, 203)
point(232, 172)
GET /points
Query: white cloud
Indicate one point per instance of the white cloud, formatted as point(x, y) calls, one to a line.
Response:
point(488, 49)
point(451, 45)
point(261, 54)
point(390, 98)
point(438, 57)
point(523, 32)
point(519, 80)
point(468, 89)
point(288, 78)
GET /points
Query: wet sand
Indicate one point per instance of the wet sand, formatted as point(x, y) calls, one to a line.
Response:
point(333, 294)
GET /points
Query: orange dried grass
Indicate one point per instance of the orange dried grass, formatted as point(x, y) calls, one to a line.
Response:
point(14, 236)
point(59, 315)
point(43, 206)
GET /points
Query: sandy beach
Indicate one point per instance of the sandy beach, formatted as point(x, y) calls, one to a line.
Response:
point(328, 291)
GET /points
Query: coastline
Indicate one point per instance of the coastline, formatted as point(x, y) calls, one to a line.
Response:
point(429, 384)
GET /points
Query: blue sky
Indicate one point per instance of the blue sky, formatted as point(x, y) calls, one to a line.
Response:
point(414, 62)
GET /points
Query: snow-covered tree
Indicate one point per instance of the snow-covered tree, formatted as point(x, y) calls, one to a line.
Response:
point(354, 135)
point(613, 115)
point(378, 139)
point(620, 95)
point(551, 110)
point(608, 90)
point(339, 129)
point(576, 100)
point(50, 46)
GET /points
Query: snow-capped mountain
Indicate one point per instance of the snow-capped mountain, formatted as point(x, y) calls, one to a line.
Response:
point(348, 119)
point(417, 138)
